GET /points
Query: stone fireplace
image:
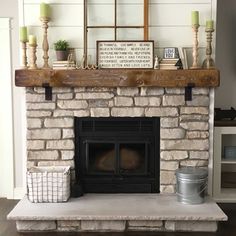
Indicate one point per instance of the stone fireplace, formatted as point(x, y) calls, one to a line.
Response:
point(180, 101)
point(184, 125)
point(175, 133)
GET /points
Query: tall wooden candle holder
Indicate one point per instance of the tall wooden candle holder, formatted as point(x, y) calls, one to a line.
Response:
point(208, 62)
point(45, 45)
point(33, 58)
point(24, 56)
point(195, 47)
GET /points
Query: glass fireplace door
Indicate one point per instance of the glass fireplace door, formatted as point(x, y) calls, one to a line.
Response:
point(133, 158)
point(116, 158)
point(100, 157)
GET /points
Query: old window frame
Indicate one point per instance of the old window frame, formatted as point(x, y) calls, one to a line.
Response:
point(114, 26)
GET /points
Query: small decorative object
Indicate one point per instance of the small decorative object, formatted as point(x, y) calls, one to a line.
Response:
point(186, 55)
point(171, 64)
point(72, 54)
point(45, 10)
point(82, 64)
point(171, 53)
point(183, 57)
point(48, 184)
point(65, 65)
point(156, 63)
point(225, 114)
point(125, 54)
point(195, 26)
point(32, 46)
point(23, 40)
point(87, 65)
point(209, 62)
point(94, 67)
point(191, 185)
point(45, 13)
point(90, 65)
point(61, 48)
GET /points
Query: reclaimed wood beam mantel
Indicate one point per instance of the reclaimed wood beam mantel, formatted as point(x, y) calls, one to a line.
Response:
point(117, 78)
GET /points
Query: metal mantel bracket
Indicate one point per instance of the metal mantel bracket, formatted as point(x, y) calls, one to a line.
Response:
point(48, 91)
point(188, 92)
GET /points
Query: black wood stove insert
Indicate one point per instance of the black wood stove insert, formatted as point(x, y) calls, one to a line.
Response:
point(117, 155)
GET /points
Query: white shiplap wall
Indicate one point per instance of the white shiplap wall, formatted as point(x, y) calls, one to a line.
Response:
point(6, 113)
point(170, 22)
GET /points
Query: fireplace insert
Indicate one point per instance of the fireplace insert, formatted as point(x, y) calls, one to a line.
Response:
point(117, 155)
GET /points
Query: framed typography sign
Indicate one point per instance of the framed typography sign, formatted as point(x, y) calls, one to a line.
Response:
point(125, 54)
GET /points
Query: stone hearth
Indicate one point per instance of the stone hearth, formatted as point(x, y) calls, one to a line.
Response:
point(117, 212)
point(184, 134)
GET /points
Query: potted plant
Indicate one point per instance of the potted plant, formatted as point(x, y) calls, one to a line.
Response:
point(61, 47)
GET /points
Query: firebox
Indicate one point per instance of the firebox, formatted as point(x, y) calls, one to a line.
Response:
point(117, 155)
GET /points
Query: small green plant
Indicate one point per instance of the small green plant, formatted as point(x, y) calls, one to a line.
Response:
point(61, 45)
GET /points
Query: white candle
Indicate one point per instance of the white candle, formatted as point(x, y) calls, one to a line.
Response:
point(32, 40)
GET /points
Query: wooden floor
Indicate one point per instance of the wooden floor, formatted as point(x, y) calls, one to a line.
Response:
point(7, 228)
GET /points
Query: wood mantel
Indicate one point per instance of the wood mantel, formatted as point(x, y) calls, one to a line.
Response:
point(117, 78)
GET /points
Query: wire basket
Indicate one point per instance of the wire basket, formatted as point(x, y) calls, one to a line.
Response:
point(48, 184)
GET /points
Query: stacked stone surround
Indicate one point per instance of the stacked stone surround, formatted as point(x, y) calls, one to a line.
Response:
point(184, 130)
point(115, 225)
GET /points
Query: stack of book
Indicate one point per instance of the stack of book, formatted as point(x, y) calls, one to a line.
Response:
point(171, 64)
point(64, 65)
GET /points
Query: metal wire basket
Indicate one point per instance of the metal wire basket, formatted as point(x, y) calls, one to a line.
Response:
point(48, 184)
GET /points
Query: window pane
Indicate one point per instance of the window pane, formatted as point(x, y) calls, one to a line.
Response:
point(99, 34)
point(130, 34)
point(101, 14)
point(124, 18)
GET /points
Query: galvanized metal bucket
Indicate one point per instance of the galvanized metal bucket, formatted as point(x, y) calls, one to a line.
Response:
point(191, 185)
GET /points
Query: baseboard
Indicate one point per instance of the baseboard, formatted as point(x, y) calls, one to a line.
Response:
point(19, 193)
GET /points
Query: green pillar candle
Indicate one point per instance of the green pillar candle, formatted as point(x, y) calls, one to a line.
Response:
point(23, 34)
point(32, 40)
point(210, 24)
point(195, 17)
point(45, 10)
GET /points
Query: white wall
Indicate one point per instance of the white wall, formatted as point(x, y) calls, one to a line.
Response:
point(15, 96)
point(6, 116)
point(225, 53)
point(170, 22)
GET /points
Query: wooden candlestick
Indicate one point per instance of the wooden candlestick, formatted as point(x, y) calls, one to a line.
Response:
point(24, 56)
point(208, 62)
point(195, 47)
point(45, 45)
point(33, 58)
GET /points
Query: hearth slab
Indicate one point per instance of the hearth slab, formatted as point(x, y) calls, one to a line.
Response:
point(118, 207)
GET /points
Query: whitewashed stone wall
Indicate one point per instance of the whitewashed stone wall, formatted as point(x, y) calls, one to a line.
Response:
point(116, 226)
point(184, 125)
